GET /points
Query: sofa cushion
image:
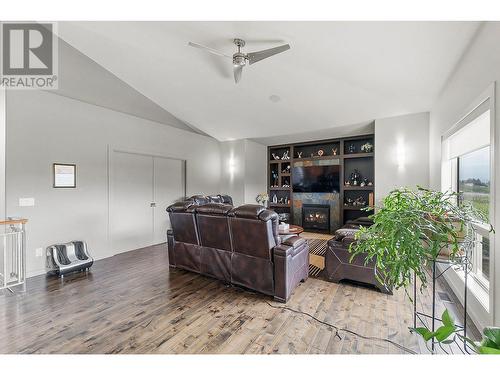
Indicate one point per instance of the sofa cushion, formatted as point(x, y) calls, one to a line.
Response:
point(185, 206)
point(199, 199)
point(215, 199)
point(213, 226)
point(214, 209)
point(226, 199)
point(248, 211)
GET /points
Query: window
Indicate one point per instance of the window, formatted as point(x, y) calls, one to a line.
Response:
point(474, 179)
point(467, 170)
point(474, 187)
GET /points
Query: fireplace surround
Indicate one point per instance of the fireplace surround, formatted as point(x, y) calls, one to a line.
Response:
point(316, 217)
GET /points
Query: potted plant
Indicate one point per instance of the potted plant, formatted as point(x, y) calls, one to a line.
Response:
point(411, 230)
point(262, 199)
point(448, 332)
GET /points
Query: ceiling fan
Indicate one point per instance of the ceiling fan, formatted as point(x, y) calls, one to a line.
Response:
point(240, 59)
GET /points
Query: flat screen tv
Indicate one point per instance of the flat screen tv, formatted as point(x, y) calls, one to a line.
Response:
point(316, 179)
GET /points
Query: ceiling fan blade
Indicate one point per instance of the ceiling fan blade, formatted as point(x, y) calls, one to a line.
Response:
point(237, 69)
point(253, 57)
point(208, 49)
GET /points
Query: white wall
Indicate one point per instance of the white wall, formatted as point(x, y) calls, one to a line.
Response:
point(255, 170)
point(43, 128)
point(478, 69)
point(233, 170)
point(401, 153)
point(243, 170)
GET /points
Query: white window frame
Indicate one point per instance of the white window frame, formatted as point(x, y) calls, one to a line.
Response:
point(481, 297)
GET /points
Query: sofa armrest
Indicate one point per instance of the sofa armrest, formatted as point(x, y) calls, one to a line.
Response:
point(294, 241)
point(291, 265)
point(170, 248)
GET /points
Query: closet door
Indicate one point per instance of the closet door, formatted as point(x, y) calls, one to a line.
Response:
point(131, 224)
point(169, 187)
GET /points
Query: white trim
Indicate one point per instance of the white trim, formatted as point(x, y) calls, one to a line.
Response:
point(3, 151)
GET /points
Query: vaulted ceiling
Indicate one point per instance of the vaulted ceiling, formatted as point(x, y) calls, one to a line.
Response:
point(335, 74)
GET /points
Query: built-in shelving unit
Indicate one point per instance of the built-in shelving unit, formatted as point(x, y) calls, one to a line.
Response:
point(356, 168)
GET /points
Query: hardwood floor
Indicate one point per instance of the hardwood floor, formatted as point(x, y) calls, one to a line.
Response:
point(133, 303)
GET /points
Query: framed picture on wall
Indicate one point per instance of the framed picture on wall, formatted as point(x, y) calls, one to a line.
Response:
point(64, 175)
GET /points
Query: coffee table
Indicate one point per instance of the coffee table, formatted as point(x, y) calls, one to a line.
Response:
point(294, 229)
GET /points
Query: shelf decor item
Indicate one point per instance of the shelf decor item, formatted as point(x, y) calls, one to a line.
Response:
point(360, 201)
point(355, 178)
point(262, 199)
point(320, 152)
point(275, 198)
point(371, 200)
point(367, 147)
point(276, 157)
point(299, 155)
point(351, 149)
point(334, 151)
point(275, 178)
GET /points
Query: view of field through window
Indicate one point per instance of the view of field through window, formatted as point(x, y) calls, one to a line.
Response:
point(474, 186)
point(474, 179)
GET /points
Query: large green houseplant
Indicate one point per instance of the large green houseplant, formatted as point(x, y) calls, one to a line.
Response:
point(411, 229)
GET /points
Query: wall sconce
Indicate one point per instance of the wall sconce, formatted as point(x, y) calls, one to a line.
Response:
point(231, 167)
point(401, 154)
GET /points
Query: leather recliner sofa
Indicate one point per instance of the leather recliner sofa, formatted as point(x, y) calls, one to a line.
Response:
point(338, 265)
point(239, 246)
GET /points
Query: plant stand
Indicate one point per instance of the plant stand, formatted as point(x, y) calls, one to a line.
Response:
point(461, 262)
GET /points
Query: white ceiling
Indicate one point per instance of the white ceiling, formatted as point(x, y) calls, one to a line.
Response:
point(336, 73)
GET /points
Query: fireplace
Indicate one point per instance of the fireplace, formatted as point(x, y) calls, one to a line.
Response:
point(316, 217)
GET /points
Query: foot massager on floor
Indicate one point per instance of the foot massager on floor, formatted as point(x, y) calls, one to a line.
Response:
point(68, 257)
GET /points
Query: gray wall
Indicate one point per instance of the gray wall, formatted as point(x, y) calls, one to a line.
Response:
point(43, 128)
point(401, 153)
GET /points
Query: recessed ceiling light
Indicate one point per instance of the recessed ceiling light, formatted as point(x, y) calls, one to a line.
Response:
point(274, 98)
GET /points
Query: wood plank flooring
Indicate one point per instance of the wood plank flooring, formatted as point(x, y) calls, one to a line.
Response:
point(133, 303)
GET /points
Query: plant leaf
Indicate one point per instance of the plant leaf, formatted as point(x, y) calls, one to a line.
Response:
point(488, 350)
point(473, 343)
point(493, 334)
point(447, 319)
point(443, 332)
point(424, 332)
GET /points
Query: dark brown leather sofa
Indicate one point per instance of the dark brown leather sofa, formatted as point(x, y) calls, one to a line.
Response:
point(337, 260)
point(238, 245)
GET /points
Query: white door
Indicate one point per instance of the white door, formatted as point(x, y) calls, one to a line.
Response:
point(168, 188)
point(132, 194)
point(142, 187)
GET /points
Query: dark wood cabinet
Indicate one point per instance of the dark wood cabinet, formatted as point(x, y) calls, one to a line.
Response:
point(355, 157)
